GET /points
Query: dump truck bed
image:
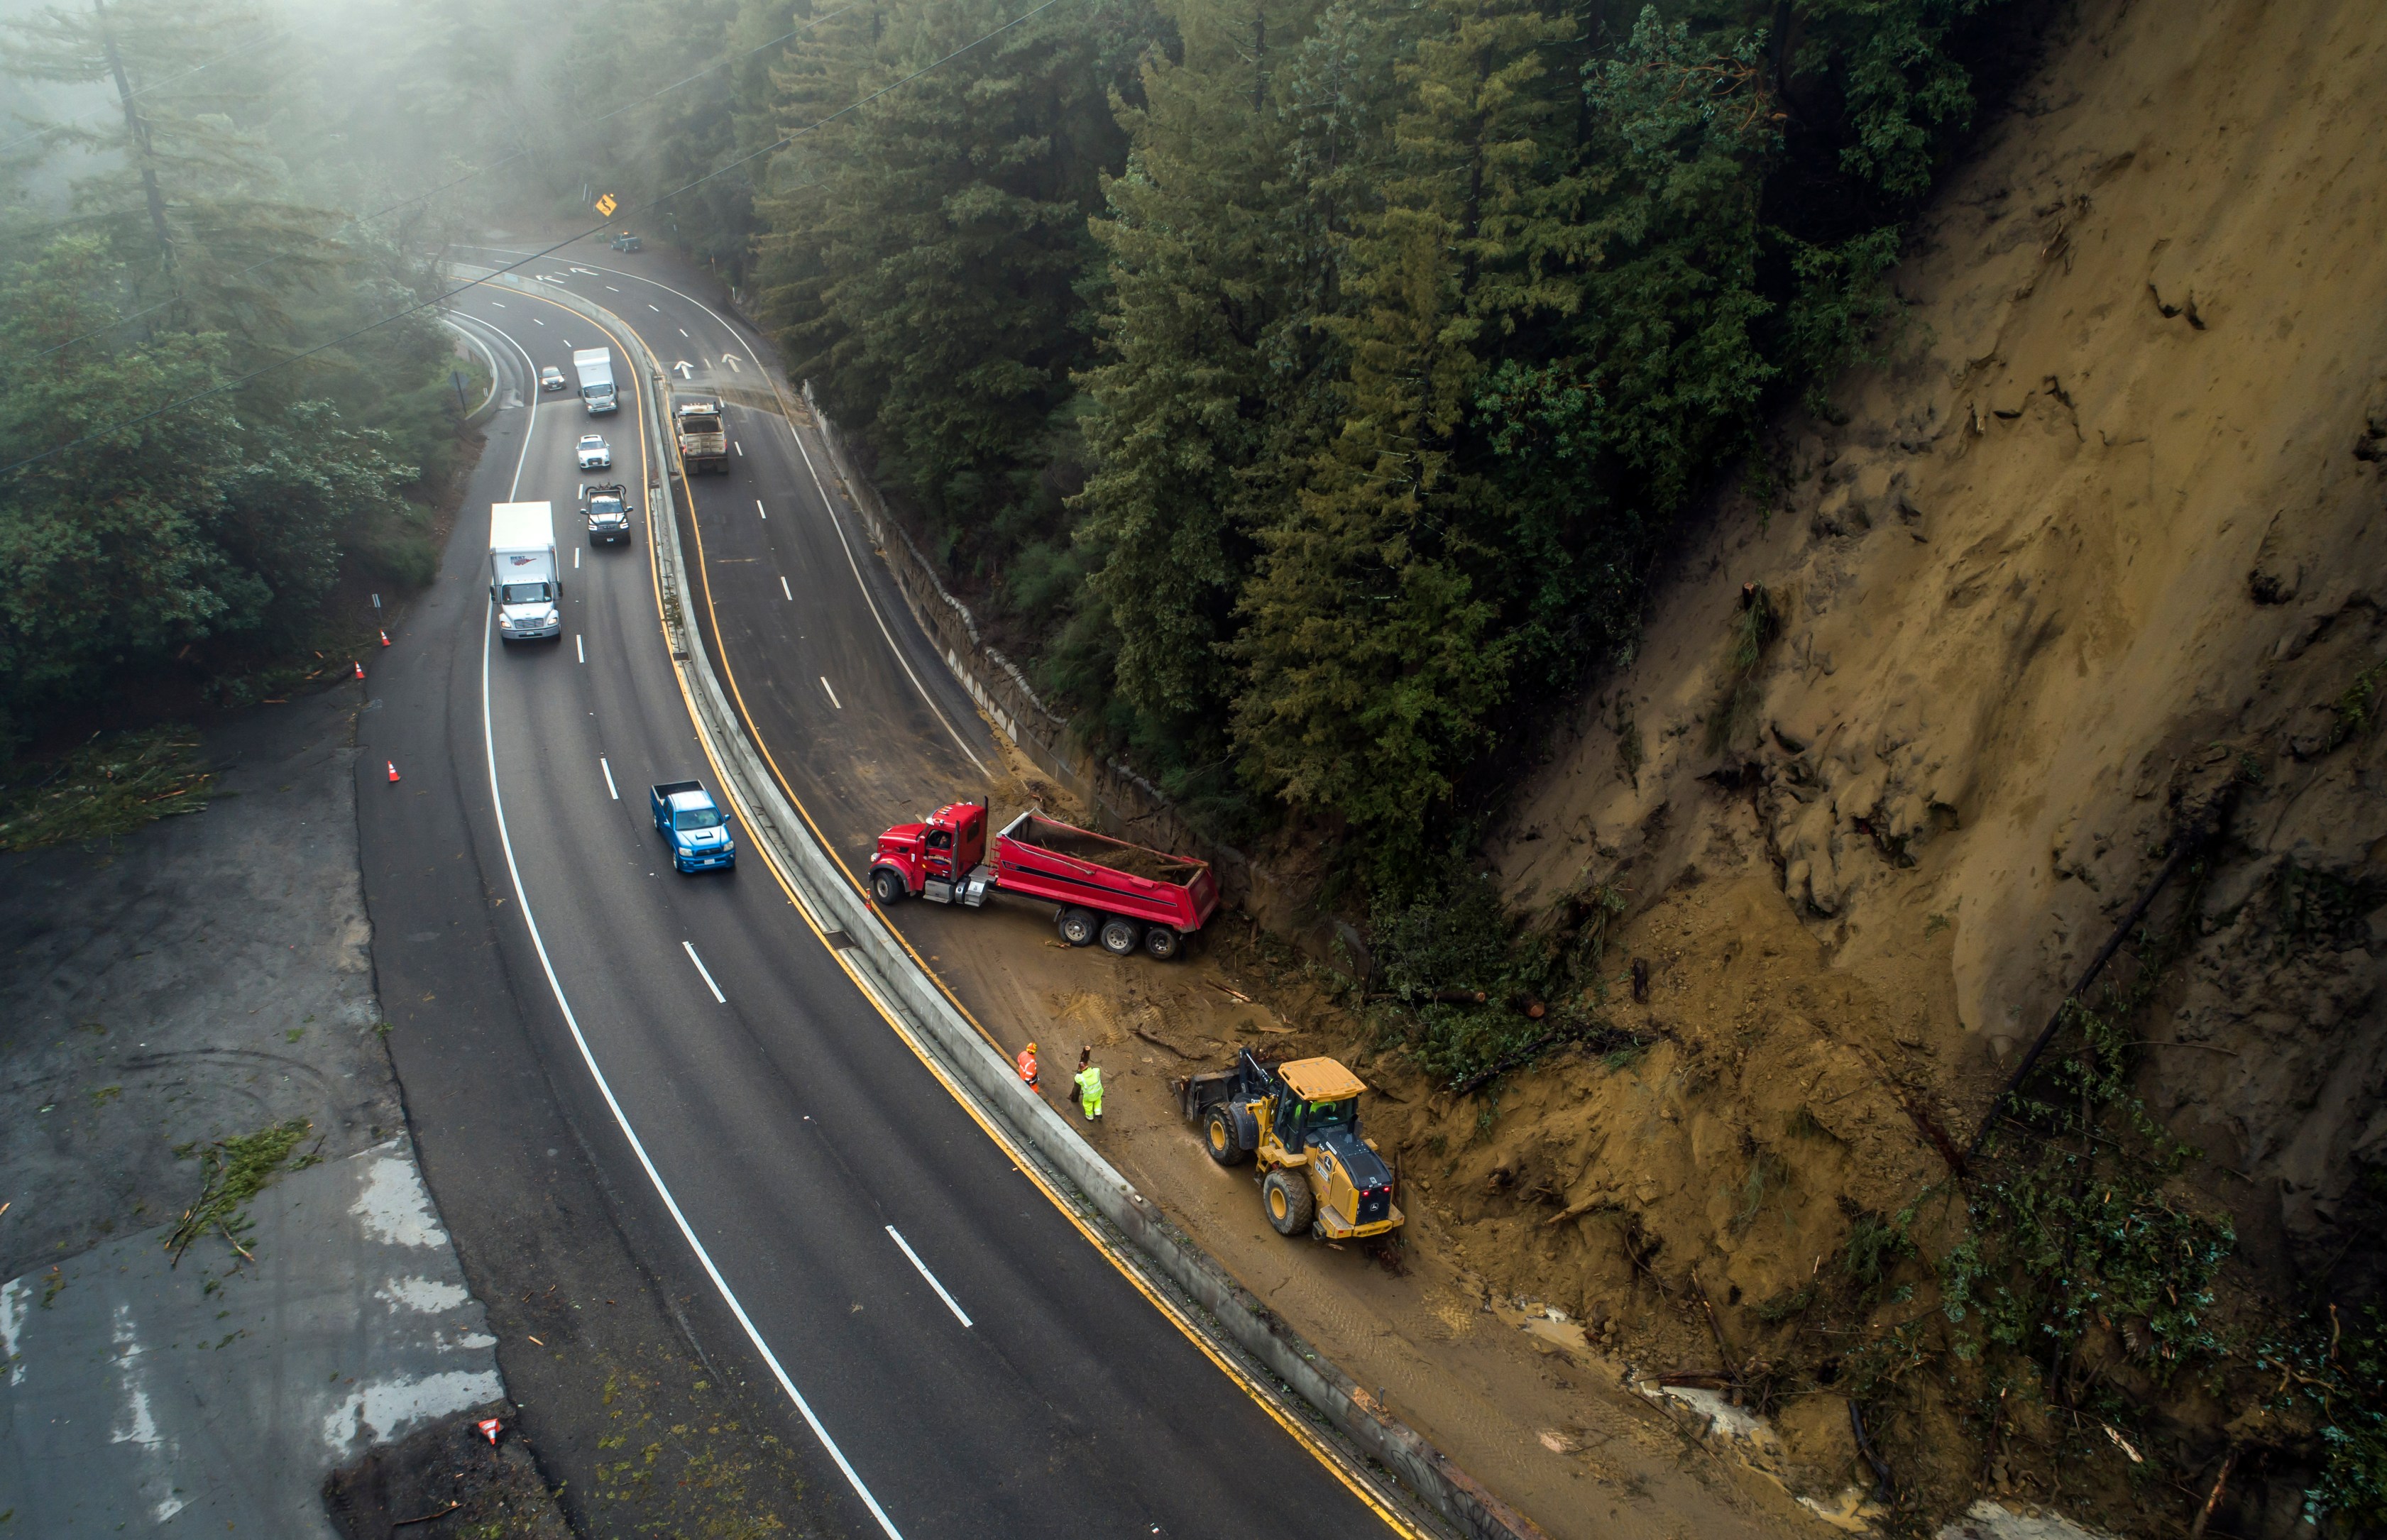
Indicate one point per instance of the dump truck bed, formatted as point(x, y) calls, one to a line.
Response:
point(1044, 858)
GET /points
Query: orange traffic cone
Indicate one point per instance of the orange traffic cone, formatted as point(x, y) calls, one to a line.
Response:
point(393, 772)
point(385, 639)
point(489, 1429)
point(361, 669)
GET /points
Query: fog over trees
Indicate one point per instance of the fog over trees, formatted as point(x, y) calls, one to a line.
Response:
point(1306, 389)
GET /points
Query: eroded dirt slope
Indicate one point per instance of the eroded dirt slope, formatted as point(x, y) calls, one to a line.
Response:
point(2096, 542)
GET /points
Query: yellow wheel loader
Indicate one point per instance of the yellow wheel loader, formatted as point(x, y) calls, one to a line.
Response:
point(1300, 1123)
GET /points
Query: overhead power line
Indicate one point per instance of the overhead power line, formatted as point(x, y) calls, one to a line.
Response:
point(156, 85)
point(772, 148)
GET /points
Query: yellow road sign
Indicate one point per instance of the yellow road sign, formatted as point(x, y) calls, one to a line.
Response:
point(605, 205)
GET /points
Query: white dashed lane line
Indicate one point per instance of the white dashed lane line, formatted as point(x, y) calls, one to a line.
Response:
point(705, 973)
point(959, 1314)
point(785, 589)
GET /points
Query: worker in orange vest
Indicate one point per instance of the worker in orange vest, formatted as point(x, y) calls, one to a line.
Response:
point(1028, 1066)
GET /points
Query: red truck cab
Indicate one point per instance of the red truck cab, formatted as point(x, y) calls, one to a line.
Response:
point(944, 850)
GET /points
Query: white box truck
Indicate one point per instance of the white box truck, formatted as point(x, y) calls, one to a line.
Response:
point(523, 582)
point(596, 367)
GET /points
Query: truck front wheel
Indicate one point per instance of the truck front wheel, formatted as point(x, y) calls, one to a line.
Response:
point(1119, 938)
point(1161, 941)
point(1285, 1195)
point(886, 887)
point(1077, 925)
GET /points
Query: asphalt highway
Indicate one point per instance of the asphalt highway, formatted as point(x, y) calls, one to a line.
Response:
point(965, 1361)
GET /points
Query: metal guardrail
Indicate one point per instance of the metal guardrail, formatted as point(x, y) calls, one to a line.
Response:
point(1234, 1320)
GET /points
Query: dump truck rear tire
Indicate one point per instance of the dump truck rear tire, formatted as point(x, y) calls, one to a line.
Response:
point(1286, 1196)
point(1161, 941)
point(1078, 925)
point(1119, 938)
point(1222, 1134)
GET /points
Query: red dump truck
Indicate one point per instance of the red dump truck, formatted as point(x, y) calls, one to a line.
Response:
point(1125, 896)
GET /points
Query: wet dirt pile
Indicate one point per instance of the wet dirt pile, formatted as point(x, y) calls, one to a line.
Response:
point(2087, 566)
point(449, 1478)
point(1135, 860)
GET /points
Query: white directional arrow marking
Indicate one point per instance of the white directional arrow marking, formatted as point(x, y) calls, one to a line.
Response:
point(687, 370)
point(731, 359)
point(591, 272)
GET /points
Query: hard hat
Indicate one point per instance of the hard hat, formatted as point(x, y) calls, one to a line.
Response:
point(1032, 1048)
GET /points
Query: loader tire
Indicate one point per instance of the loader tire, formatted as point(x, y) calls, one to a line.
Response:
point(1286, 1196)
point(1120, 937)
point(1078, 925)
point(1223, 1138)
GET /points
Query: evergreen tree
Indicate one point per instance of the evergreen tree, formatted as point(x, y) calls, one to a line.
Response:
point(932, 281)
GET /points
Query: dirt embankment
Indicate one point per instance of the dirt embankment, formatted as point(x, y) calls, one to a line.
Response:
point(2099, 534)
point(2094, 544)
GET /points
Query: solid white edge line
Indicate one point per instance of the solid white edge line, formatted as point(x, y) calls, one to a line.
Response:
point(611, 789)
point(605, 1087)
point(785, 589)
point(832, 693)
point(959, 1314)
point(718, 998)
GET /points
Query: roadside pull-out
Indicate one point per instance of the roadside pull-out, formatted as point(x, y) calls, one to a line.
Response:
point(1127, 897)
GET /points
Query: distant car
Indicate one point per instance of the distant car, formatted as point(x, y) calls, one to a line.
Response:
point(626, 242)
point(551, 378)
point(595, 453)
point(608, 512)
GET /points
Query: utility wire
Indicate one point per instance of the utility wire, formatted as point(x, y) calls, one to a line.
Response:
point(63, 128)
point(772, 148)
point(448, 186)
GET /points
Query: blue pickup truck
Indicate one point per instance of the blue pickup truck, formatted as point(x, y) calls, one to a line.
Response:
point(690, 823)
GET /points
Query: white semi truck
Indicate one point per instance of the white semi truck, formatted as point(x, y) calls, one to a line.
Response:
point(596, 368)
point(523, 582)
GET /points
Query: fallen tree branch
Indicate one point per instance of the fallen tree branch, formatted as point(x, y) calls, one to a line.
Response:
point(1864, 1447)
point(2213, 1498)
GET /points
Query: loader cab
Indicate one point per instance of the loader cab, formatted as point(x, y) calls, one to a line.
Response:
point(1320, 1097)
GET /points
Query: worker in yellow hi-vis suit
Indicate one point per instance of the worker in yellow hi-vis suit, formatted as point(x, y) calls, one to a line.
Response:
point(1090, 1087)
